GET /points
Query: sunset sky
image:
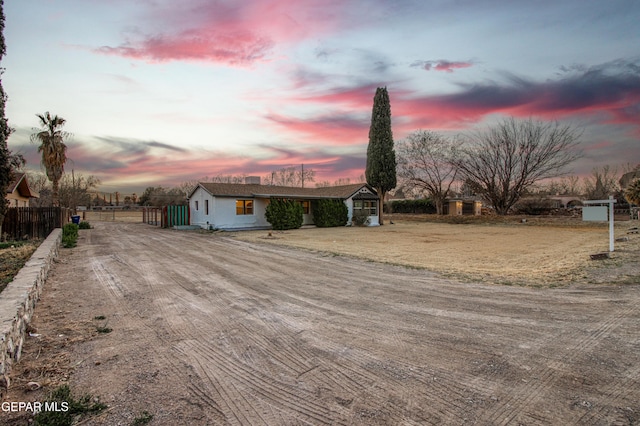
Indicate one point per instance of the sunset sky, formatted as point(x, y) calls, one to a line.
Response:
point(157, 92)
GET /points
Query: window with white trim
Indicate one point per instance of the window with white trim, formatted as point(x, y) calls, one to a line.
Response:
point(370, 207)
point(244, 207)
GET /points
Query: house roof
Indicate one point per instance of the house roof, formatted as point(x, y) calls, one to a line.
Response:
point(266, 191)
point(20, 184)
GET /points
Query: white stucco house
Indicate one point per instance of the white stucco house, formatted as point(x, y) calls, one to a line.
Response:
point(242, 206)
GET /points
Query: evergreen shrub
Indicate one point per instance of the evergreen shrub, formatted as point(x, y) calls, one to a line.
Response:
point(329, 213)
point(284, 214)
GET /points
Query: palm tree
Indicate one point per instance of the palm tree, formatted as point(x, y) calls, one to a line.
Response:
point(632, 193)
point(54, 152)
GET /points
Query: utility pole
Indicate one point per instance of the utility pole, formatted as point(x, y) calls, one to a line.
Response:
point(302, 175)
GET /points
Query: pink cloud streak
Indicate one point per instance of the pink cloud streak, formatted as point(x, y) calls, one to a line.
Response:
point(239, 48)
point(443, 65)
point(236, 33)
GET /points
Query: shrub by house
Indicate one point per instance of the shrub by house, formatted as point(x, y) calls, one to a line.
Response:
point(284, 214)
point(329, 213)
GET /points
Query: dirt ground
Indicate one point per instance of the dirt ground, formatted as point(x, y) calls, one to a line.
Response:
point(536, 252)
point(209, 329)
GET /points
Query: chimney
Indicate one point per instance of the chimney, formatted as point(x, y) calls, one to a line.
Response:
point(252, 180)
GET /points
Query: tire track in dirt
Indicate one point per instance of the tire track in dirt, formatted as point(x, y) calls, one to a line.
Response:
point(374, 377)
point(272, 337)
point(437, 386)
point(275, 355)
point(614, 393)
point(520, 399)
point(179, 331)
point(235, 410)
point(177, 327)
point(270, 389)
point(109, 279)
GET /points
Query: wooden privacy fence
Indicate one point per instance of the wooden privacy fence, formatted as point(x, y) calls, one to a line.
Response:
point(166, 216)
point(33, 222)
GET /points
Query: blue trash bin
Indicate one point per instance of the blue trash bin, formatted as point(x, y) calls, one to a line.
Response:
point(75, 219)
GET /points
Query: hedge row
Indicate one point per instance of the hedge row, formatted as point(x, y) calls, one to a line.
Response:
point(423, 205)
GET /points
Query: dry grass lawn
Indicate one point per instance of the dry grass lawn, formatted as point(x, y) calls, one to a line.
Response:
point(132, 216)
point(534, 253)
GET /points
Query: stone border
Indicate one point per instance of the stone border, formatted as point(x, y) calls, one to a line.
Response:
point(18, 301)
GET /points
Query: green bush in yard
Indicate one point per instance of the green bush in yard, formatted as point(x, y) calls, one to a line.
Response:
point(328, 213)
point(284, 214)
point(69, 235)
point(85, 225)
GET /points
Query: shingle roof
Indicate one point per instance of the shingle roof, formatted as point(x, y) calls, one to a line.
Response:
point(17, 178)
point(263, 191)
point(20, 184)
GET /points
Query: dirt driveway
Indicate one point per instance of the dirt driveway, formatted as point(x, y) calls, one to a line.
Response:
point(211, 330)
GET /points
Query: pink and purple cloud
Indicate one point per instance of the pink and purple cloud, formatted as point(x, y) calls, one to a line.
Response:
point(442, 65)
point(237, 33)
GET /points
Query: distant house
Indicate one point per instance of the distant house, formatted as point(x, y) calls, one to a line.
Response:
point(19, 193)
point(461, 206)
point(243, 206)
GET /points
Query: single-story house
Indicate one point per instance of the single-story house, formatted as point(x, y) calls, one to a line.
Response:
point(243, 206)
point(18, 192)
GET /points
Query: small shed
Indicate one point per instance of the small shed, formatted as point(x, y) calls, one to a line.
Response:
point(462, 207)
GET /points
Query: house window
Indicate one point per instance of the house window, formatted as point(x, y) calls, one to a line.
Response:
point(206, 206)
point(244, 207)
point(306, 206)
point(196, 204)
point(370, 207)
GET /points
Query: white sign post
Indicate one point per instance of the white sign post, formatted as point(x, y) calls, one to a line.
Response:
point(596, 214)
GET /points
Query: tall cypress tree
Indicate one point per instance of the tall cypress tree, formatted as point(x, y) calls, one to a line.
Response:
point(5, 131)
point(381, 157)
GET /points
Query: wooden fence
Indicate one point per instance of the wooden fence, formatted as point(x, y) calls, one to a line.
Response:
point(166, 216)
point(151, 215)
point(33, 222)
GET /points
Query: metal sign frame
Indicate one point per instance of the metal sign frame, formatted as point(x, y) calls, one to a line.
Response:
point(610, 202)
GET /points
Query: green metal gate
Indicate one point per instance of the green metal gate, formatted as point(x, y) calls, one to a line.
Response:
point(175, 216)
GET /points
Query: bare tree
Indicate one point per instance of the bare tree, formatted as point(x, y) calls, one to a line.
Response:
point(76, 190)
point(290, 176)
point(602, 182)
point(427, 160)
point(39, 182)
point(571, 185)
point(506, 159)
point(567, 185)
point(187, 186)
